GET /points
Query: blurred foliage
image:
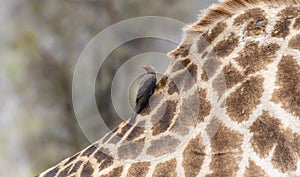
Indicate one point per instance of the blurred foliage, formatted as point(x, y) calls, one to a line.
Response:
point(42, 44)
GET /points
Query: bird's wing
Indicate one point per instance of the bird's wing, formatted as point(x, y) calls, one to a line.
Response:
point(146, 86)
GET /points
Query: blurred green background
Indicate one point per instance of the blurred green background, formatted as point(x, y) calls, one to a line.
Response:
point(40, 45)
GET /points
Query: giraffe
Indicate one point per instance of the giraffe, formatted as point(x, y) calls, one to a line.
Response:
point(228, 105)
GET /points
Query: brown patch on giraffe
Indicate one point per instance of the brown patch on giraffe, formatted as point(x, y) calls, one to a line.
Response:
point(227, 79)
point(65, 171)
point(75, 167)
point(215, 32)
point(252, 170)
point(52, 172)
point(193, 157)
point(116, 172)
point(204, 76)
point(232, 76)
point(255, 58)
point(166, 169)
point(226, 46)
point(71, 159)
point(219, 84)
point(89, 151)
point(265, 133)
point(103, 159)
point(180, 64)
point(119, 135)
point(172, 88)
point(227, 152)
point(255, 20)
point(87, 170)
point(244, 99)
point(163, 146)
point(287, 151)
point(192, 69)
point(139, 169)
point(205, 105)
point(163, 118)
point(108, 136)
point(130, 150)
point(295, 42)
point(193, 110)
point(162, 83)
point(209, 36)
point(182, 51)
point(296, 25)
point(136, 131)
point(281, 29)
point(213, 127)
point(210, 66)
point(288, 81)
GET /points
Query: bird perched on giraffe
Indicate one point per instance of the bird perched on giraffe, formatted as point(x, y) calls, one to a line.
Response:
point(146, 88)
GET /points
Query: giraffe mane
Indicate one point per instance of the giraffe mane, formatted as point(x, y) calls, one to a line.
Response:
point(221, 11)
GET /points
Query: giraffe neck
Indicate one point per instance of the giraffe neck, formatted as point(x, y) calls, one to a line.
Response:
point(228, 105)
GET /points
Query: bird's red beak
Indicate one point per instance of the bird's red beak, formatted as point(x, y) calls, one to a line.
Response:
point(144, 67)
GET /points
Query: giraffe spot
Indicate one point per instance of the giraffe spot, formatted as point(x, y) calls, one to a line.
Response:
point(225, 47)
point(295, 42)
point(232, 76)
point(204, 76)
point(103, 159)
point(211, 35)
point(210, 66)
point(288, 81)
point(194, 108)
point(193, 157)
point(265, 134)
point(180, 64)
point(87, 170)
point(182, 51)
point(130, 150)
point(119, 135)
point(163, 146)
point(52, 172)
point(296, 25)
point(281, 29)
point(108, 136)
point(136, 132)
point(64, 172)
point(226, 152)
point(287, 151)
point(76, 167)
point(192, 69)
point(162, 83)
point(163, 118)
point(89, 150)
point(116, 172)
point(255, 20)
point(139, 169)
point(212, 127)
point(205, 106)
point(184, 80)
point(71, 159)
point(252, 170)
point(166, 169)
point(219, 84)
point(244, 99)
point(172, 88)
point(254, 58)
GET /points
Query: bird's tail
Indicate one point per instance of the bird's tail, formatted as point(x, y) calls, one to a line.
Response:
point(132, 118)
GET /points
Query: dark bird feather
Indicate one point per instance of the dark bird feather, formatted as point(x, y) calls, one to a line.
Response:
point(146, 88)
